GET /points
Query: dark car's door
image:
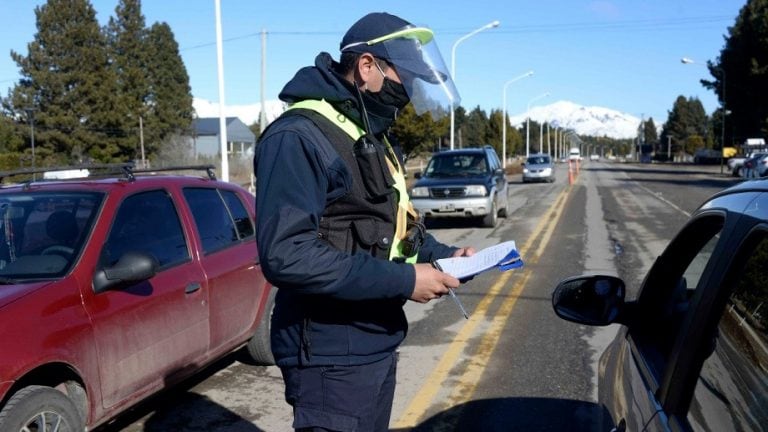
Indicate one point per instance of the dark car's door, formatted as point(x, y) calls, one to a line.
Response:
point(651, 374)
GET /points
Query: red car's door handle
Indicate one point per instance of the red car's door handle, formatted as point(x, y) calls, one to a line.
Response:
point(192, 287)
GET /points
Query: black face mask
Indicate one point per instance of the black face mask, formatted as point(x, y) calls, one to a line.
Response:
point(392, 93)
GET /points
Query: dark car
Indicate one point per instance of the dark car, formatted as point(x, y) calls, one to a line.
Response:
point(117, 285)
point(466, 183)
point(692, 353)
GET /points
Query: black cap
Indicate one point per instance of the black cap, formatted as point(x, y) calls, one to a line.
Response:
point(372, 26)
point(404, 53)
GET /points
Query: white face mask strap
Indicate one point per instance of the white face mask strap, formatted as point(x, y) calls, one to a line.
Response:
point(379, 68)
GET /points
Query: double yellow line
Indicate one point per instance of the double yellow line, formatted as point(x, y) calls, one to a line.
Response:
point(467, 382)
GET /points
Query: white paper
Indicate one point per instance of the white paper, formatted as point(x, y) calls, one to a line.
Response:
point(461, 267)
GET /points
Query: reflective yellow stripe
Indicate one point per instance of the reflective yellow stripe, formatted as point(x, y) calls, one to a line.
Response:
point(403, 207)
point(328, 111)
point(403, 202)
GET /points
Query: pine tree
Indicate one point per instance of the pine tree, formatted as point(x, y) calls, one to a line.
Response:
point(475, 128)
point(651, 136)
point(67, 79)
point(170, 97)
point(10, 136)
point(743, 67)
point(493, 134)
point(687, 124)
point(126, 36)
point(418, 133)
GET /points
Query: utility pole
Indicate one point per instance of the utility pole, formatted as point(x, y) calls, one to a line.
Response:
point(549, 141)
point(669, 148)
point(31, 118)
point(222, 104)
point(263, 114)
point(141, 142)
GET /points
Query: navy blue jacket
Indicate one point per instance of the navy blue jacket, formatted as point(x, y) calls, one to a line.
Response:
point(332, 307)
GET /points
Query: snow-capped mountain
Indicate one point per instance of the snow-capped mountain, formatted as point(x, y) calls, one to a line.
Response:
point(248, 114)
point(592, 121)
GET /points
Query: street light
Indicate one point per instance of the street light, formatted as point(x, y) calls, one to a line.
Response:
point(453, 65)
point(686, 60)
point(504, 117)
point(527, 123)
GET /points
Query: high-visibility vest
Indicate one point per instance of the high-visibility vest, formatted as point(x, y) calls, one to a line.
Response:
point(404, 206)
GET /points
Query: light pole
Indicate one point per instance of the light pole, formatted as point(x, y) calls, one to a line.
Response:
point(31, 118)
point(527, 123)
point(453, 65)
point(504, 117)
point(686, 60)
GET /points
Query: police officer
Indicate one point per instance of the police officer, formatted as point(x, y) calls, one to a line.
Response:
point(336, 233)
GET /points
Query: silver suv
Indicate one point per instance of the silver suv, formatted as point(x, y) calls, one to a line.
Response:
point(466, 183)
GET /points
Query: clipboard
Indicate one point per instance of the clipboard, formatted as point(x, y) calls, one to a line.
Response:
point(503, 256)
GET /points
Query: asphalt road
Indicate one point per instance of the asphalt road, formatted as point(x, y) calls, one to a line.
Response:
point(513, 365)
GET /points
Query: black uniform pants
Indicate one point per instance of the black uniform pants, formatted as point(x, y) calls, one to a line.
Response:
point(341, 398)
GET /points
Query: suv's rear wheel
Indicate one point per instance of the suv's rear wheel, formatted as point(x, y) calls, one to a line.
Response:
point(489, 221)
point(39, 408)
point(259, 347)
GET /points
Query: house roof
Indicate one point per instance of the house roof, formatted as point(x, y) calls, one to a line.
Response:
point(237, 131)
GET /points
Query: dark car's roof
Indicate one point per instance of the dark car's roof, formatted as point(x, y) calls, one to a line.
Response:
point(473, 150)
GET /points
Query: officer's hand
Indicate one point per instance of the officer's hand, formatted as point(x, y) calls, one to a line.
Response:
point(464, 252)
point(431, 283)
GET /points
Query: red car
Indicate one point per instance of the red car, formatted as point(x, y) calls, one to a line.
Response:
point(114, 287)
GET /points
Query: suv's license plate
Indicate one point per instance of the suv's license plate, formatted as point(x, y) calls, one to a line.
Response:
point(447, 208)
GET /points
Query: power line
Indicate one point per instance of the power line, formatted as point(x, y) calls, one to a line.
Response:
point(685, 23)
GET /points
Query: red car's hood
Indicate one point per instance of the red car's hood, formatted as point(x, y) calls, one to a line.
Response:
point(11, 293)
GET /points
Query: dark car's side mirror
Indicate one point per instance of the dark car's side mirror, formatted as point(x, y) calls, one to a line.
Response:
point(417, 175)
point(131, 268)
point(592, 300)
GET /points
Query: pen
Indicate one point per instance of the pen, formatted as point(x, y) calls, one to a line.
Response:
point(458, 303)
point(453, 294)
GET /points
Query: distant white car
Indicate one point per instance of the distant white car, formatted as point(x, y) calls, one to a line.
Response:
point(594, 157)
point(574, 154)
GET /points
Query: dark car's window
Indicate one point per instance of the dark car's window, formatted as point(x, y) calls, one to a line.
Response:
point(214, 223)
point(147, 222)
point(732, 391)
point(668, 289)
point(243, 221)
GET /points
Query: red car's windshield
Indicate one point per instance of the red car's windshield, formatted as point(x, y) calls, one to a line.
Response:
point(42, 233)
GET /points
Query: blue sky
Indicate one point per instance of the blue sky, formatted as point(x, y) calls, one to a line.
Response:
point(619, 54)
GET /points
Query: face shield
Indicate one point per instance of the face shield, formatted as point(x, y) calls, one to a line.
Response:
point(417, 60)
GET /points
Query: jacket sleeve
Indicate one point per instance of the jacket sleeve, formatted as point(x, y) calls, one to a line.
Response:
point(432, 250)
point(295, 180)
